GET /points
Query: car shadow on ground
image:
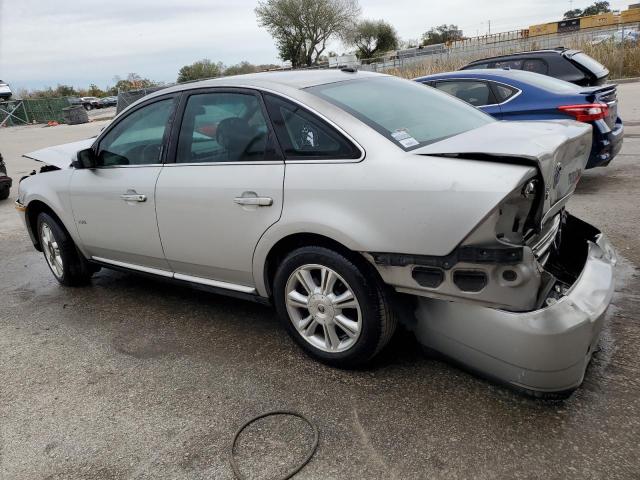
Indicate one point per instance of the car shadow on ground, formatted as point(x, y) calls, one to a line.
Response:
point(208, 322)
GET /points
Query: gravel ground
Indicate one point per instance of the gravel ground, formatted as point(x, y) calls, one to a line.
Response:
point(136, 378)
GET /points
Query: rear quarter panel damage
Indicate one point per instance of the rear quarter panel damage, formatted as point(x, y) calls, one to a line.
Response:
point(390, 202)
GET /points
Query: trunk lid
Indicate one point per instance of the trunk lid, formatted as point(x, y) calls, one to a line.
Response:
point(559, 148)
point(605, 94)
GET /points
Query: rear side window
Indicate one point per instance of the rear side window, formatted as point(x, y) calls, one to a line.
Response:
point(503, 92)
point(535, 65)
point(477, 93)
point(304, 136)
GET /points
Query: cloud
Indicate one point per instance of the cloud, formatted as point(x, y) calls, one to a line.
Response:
point(77, 42)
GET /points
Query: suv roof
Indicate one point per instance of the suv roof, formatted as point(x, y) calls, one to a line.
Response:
point(566, 64)
point(552, 51)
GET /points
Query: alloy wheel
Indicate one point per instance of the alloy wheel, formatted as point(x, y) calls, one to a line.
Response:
point(323, 308)
point(51, 250)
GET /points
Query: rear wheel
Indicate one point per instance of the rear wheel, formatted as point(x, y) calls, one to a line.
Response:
point(66, 263)
point(4, 192)
point(335, 311)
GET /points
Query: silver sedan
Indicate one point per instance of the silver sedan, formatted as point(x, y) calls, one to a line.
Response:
point(348, 200)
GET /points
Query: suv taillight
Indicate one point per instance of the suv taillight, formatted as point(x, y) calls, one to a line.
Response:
point(588, 112)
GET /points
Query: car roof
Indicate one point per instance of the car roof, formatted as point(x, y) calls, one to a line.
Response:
point(488, 73)
point(548, 51)
point(278, 80)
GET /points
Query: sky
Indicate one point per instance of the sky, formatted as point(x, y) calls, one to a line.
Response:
point(78, 42)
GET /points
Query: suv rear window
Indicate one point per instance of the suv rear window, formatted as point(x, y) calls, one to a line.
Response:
point(589, 63)
point(405, 112)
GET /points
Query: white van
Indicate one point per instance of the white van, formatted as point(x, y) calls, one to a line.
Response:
point(5, 91)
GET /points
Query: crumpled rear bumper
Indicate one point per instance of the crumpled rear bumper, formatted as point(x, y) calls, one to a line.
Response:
point(541, 351)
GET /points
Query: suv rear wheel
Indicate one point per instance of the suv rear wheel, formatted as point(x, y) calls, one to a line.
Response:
point(335, 311)
point(65, 261)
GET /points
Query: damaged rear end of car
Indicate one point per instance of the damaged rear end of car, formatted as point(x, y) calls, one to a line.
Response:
point(522, 298)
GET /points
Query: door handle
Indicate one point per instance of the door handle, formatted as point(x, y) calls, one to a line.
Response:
point(258, 201)
point(133, 197)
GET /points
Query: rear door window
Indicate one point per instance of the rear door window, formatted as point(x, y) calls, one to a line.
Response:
point(477, 93)
point(304, 136)
point(224, 127)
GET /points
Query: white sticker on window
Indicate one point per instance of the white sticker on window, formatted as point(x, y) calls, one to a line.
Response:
point(409, 142)
point(404, 138)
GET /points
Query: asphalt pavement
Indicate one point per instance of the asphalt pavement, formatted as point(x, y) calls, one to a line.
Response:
point(136, 378)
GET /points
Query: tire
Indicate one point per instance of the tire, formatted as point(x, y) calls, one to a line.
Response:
point(66, 263)
point(88, 106)
point(361, 328)
point(4, 192)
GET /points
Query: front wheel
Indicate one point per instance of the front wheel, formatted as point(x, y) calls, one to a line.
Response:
point(66, 263)
point(337, 312)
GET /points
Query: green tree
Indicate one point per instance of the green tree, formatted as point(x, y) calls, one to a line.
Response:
point(442, 34)
point(372, 38)
point(132, 82)
point(64, 91)
point(302, 28)
point(95, 91)
point(240, 69)
point(204, 68)
point(594, 9)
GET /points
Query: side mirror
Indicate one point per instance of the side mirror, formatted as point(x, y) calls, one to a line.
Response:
point(86, 159)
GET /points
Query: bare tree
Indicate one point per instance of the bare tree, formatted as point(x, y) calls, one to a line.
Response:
point(302, 28)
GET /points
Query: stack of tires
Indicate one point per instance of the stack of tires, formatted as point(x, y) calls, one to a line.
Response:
point(74, 115)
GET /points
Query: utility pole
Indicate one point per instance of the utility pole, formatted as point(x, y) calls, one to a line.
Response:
point(489, 22)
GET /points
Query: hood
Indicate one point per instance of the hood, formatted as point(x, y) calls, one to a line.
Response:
point(60, 156)
point(559, 148)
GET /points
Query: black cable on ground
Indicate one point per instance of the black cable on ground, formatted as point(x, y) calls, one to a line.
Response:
point(290, 474)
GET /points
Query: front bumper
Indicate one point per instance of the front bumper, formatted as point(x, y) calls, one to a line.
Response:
point(543, 351)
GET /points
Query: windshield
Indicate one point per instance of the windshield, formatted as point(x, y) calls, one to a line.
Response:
point(407, 113)
point(589, 63)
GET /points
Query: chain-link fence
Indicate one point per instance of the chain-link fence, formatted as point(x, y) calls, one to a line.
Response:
point(21, 112)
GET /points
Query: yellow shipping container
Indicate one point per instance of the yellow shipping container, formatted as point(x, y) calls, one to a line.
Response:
point(543, 29)
point(601, 20)
point(631, 15)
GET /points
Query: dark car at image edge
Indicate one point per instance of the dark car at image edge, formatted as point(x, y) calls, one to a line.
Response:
point(5, 181)
point(565, 64)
